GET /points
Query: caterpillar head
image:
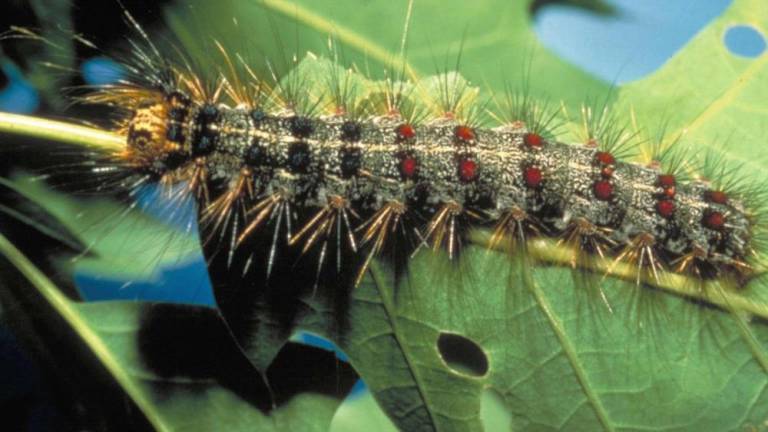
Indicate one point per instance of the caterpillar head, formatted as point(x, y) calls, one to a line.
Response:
point(155, 132)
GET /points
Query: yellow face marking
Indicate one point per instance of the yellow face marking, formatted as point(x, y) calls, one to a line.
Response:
point(146, 134)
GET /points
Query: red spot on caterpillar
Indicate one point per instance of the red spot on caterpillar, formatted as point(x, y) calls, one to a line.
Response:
point(533, 140)
point(408, 167)
point(467, 169)
point(464, 133)
point(604, 158)
point(405, 132)
point(533, 177)
point(666, 181)
point(665, 208)
point(603, 190)
point(717, 197)
point(713, 220)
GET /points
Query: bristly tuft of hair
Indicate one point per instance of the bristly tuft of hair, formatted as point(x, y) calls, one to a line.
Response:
point(520, 110)
point(601, 128)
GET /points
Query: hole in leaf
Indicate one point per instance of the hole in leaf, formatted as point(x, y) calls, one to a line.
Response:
point(462, 354)
point(745, 41)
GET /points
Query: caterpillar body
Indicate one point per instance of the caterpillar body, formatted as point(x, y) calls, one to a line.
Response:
point(381, 166)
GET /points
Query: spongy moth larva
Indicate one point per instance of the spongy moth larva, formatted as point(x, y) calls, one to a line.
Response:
point(443, 168)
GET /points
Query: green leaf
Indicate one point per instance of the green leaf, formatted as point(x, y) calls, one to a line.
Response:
point(562, 362)
point(494, 42)
point(136, 365)
point(109, 342)
point(715, 97)
point(116, 239)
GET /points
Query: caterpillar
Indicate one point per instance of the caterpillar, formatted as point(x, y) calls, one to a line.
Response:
point(386, 166)
point(268, 154)
point(343, 172)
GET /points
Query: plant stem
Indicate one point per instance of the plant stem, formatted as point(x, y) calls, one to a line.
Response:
point(60, 132)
